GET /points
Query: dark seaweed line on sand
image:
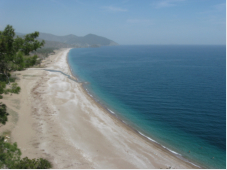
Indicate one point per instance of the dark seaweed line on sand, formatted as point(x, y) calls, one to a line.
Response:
point(52, 70)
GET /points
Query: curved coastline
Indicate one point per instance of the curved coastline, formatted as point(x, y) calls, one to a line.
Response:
point(59, 121)
point(124, 124)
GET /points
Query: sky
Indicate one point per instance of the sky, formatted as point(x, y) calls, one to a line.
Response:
point(127, 22)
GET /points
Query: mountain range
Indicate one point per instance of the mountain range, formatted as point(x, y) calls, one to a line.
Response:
point(90, 40)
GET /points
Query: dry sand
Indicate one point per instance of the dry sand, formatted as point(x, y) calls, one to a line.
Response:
point(54, 118)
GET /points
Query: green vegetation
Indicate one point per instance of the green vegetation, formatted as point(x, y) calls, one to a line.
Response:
point(12, 50)
point(44, 52)
point(15, 54)
point(26, 163)
point(10, 158)
point(12, 86)
point(3, 114)
point(9, 154)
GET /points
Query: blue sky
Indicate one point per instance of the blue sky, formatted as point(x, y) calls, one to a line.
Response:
point(124, 21)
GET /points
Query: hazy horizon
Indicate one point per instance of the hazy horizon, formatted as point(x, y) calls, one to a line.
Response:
point(127, 22)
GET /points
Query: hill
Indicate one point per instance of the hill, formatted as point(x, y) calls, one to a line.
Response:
point(76, 41)
point(70, 41)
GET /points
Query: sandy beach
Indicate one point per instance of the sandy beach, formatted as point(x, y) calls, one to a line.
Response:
point(54, 118)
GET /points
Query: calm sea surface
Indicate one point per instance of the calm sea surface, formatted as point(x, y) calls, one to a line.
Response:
point(175, 95)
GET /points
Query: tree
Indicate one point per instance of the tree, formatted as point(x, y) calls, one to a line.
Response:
point(3, 114)
point(10, 158)
point(2, 87)
point(6, 49)
point(9, 154)
point(12, 49)
point(19, 61)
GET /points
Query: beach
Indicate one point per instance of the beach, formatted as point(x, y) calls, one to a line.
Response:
point(53, 117)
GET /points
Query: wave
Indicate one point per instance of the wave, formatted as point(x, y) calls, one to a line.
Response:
point(89, 93)
point(110, 111)
point(175, 153)
point(159, 144)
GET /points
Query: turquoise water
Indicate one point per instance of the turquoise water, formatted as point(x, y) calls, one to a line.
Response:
point(175, 95)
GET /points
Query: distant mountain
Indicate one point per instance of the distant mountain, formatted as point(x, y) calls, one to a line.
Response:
point(85, 41)
point(50, 44)
point(56, 44)
point(90, 40)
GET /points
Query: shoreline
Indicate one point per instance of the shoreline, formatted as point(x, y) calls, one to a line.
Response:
point(128, 126)
point(58, 120)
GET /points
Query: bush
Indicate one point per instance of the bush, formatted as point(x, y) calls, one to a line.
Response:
point(10, 158)
point(14, 89)
point(27, 163)
point(9, 154)
point(2, 86)
point(3, 115)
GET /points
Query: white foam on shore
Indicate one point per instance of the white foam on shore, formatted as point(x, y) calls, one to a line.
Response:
point(171, 150)
point(168, 149)
point(193, 164)
point(88, 93)
point(147, 137)
point(159, 144)
point(110, 111)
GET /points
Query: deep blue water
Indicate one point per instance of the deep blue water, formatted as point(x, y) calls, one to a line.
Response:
point(175, 95)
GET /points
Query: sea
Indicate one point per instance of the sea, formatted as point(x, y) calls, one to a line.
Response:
point(174, 95)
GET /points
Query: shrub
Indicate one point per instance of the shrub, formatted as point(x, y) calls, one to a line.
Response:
point(3, 115)
point(27, 163)
point(10, 158)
